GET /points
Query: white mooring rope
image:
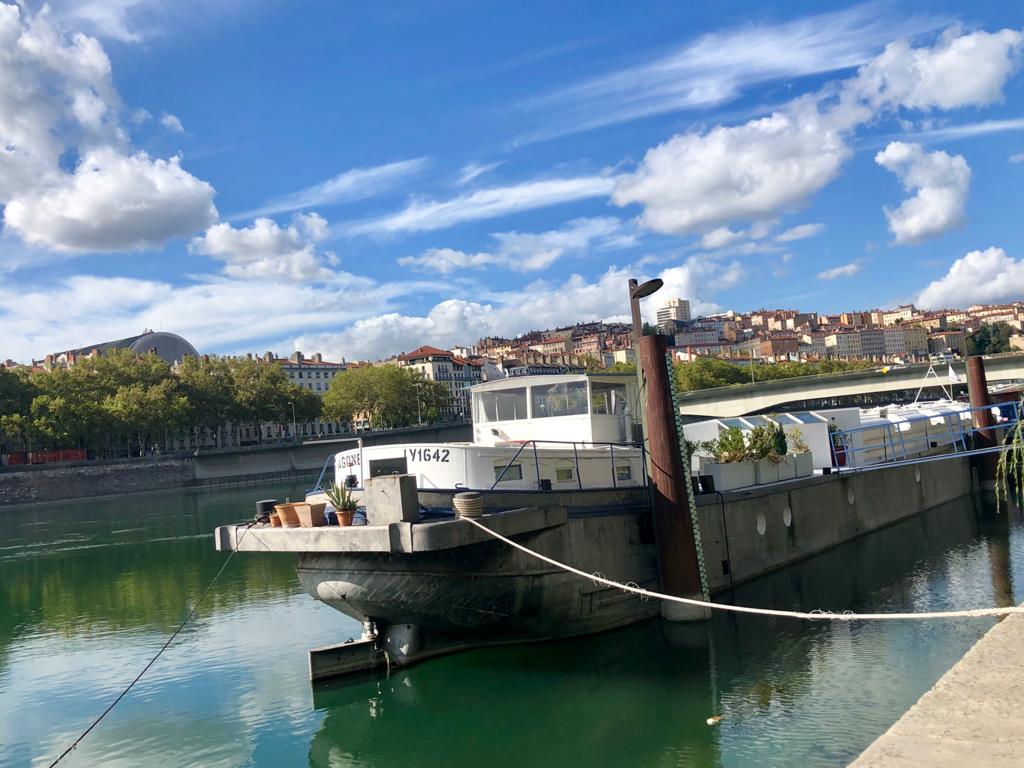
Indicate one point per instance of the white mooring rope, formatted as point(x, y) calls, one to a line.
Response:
point(815, 615)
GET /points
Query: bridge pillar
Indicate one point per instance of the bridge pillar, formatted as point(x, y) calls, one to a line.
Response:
point(985, 436)
point(677, 551)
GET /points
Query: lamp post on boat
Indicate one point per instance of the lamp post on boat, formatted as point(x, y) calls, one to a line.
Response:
point(295, 434)
point(636, 292)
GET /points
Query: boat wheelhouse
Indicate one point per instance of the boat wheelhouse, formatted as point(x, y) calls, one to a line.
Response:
point(530, 432)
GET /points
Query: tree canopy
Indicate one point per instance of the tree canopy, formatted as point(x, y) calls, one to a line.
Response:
point(387, 395)
point(707, 372)
point(990, 339)
point(120, 399)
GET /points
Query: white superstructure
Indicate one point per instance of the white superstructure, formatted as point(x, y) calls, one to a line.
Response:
point(530, 432)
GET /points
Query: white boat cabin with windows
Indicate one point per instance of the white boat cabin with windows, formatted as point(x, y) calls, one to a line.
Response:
point(530, 432)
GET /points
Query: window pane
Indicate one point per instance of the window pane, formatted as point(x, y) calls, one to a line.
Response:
point(567, 399)
point(514, 472)
point(502, 405)
point(607, 399)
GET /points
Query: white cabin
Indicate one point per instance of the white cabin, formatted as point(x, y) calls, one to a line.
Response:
point(530, 432)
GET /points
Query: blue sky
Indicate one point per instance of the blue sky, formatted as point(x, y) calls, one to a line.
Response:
point(319, 176)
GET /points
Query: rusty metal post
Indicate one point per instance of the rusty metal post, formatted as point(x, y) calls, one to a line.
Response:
point(985, 435)
point(677, 551)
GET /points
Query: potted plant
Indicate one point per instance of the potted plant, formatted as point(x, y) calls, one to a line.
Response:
point(801, 453)
point(729, 466)
point(343, 501)
point(761, 442)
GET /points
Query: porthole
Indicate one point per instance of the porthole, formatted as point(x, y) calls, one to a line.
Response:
point(762, 524)
point(787, 516)
point(917, 474)
point(850, 496)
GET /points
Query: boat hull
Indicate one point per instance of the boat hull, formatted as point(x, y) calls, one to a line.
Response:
point(489, 592)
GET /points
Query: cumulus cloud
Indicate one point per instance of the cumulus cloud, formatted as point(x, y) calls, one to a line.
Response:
point(940, 183)
point(57, 99)
point(698, 181)
point(171, 123)
point(267, 250)
point(960, 70)
point(528, 252)
point(800, 232)
point(112, 202)
point(980, 277)
point(844, 270)
point(1017, 158)
point(540, 305)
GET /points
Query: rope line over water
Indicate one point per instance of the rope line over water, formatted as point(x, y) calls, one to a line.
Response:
point(815, 615)
point(152, 661)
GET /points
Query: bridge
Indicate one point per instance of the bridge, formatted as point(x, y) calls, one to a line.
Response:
point(839, 389)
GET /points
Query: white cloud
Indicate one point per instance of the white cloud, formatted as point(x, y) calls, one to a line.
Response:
point(140, 115)
point(969, 130)
point(800, 232)
point(354, 184)
point(720, 238)
point(1018, 158)
point(700, 181)
point(57, 100)
point(428, 215)
point(171, 123)
point(980, 277)
point(960, 70)
point(717, 67)
point(539, 305)
point(940, 183)
point(266, 250)
point(845, 270)
point(112, 202)
point(751, 171)
point(470, 171)
point(527, 252)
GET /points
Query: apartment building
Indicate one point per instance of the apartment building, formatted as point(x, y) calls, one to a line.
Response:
point(457, 373)
point(673, 309)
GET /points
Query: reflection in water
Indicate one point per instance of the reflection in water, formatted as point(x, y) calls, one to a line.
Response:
point(89, 591)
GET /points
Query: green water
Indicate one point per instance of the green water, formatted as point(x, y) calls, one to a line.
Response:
point(89, 591)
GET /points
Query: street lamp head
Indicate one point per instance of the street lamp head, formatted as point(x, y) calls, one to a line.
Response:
point(646, 289)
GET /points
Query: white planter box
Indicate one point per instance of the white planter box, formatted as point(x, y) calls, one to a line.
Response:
point(738, 474)
point(804, 463)
point(787, 467)
point(766, 471)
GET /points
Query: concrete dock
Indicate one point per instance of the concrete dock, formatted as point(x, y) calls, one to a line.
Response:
point(973, 716)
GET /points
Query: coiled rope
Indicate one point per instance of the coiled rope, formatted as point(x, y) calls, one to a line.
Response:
point(152, 661)
point(815, 615)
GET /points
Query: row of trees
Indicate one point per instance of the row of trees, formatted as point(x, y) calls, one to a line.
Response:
point(386, 395)
point(706, 372)
point(123, 401)
point(990, 339)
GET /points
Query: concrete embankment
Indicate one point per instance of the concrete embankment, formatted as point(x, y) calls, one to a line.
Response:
point(748, 533)
point(57, 482)
point(971, 717)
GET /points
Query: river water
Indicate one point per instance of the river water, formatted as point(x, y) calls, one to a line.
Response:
point(90, 590)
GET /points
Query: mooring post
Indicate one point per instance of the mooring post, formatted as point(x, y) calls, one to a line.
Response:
point(984, 436)
point(677, 551)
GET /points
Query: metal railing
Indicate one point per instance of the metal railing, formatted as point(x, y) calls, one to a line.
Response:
point(576, 459)
point(330, 460)
point(953, 430)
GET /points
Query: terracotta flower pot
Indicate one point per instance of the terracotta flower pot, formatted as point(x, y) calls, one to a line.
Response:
point(311, 515)
point(287, 514)
point(275, 520)
point(345, 516)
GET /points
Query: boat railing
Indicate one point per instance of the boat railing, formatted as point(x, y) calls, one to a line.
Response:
point(575, 444)
point(890, 442)
point(330, 460)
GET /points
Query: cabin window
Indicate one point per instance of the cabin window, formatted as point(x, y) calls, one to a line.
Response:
point(514, 472)
point(567, 399)
point(623, 472)
point(563, 475)
point(607, 399)
point(502, 405)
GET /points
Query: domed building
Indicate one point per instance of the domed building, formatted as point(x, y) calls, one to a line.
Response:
point(169, 347)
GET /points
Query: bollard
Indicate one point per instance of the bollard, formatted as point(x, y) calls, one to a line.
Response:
point(985, 436)
point(677, 551)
